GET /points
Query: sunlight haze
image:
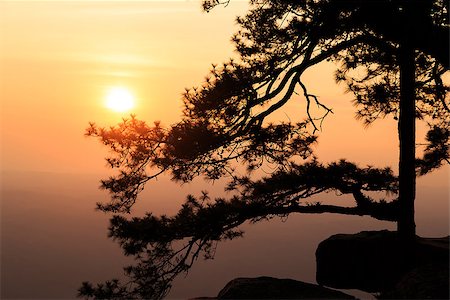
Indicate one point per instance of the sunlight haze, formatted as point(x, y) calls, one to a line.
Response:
point(119, 99)
point(58, 58)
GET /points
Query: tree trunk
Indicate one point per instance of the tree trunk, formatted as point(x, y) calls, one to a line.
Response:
point(406, 128)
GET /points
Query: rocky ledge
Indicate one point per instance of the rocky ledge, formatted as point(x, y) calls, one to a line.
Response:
point(372, 261)
point(379, 261)
point(274, 288)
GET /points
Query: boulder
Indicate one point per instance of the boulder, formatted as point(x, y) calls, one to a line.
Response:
point(375, 261)
point(273, 288)
point(430, 281)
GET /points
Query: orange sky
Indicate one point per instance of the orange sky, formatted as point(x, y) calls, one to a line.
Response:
point(58, 59)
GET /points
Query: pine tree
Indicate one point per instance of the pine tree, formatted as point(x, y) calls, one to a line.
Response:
point(391, 54)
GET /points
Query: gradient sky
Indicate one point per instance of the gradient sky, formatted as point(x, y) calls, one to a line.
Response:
point(59, 58)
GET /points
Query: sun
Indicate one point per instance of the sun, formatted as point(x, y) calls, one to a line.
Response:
point(119, 99)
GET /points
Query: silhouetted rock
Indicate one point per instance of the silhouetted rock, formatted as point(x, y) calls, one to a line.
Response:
point(379, 261)
point(273, 288)
point(368, 261)
point(429, 281)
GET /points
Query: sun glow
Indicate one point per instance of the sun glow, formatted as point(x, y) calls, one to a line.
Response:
point(119, 99)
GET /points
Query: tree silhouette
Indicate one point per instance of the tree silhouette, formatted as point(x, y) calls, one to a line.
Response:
point(392, 55)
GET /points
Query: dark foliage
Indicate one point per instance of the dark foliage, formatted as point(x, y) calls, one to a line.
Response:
point(225, 124)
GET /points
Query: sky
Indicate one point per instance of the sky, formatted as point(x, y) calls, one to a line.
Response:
point(59, 59)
